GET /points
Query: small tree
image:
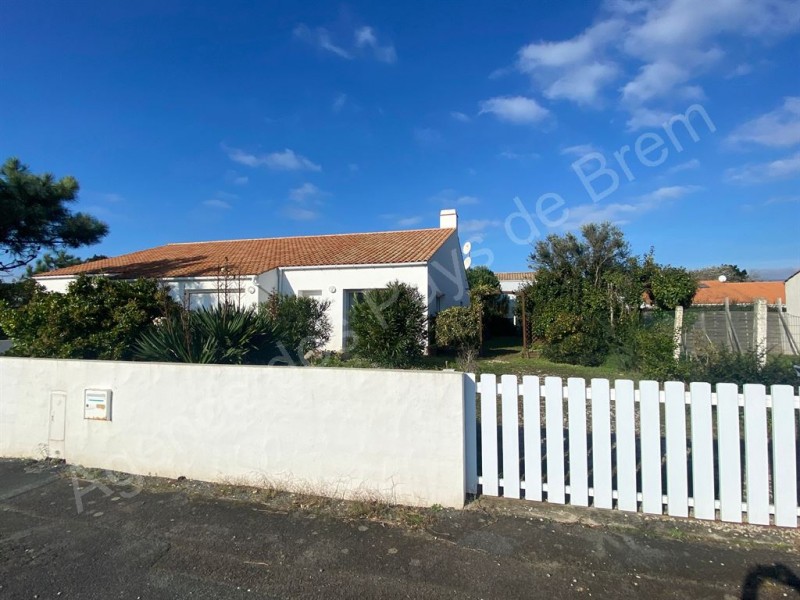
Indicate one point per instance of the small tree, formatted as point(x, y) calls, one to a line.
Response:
point(389, 325)
point(98, 318)
point(34, 215)
point(301, 323)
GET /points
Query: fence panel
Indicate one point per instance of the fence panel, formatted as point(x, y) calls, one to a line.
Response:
point(510, 420)
point(578, 458)
point(554, 424)
point(675, 422)
point(755, 451)
point(629, 455)
point(784, 470)
point(650, 441)
point(626, 446)
point(490, 474)
point(601, 444)
point(702, 451)
point(729, 454)
point(532, 437)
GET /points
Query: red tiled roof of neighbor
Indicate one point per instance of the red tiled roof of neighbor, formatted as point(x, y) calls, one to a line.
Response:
point(745, 292)
point(253, 257)
point(515, 276)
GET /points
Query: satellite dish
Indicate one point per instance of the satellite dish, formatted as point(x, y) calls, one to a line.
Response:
point(467, 262)
point(722, 279)
point(467, 247)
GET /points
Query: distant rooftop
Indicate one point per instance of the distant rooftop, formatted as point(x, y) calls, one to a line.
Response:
point(746, 292)
point(515, 276)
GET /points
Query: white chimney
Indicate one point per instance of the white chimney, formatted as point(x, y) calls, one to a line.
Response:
point(448, 219)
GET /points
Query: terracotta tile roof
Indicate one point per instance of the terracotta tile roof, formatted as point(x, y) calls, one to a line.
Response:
point(515, 276)
point(253, 257)
point(715, 292)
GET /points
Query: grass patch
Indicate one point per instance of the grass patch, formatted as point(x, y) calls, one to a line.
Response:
point(504, 356)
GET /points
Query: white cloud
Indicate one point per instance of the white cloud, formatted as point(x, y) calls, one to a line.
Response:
point(304, 192)
point(667, 43)
point(235, 178)
point(460, 116)
point(669, 193)
point(578, 150)
point(409, 221)
point(449, 197)
point(285, 160)
point(321, 38)
point(217, 203)
point(427, 136)
point(511, 155)
point(514, 109)
point(582, 84)
point(571, 52)
point(366, 38)
point(338, 102)
point(782, 168)
point(641, 118)
point(777, 128)
point(684, 166)
point(573, 69)
point(622, 213)
point(297, 213)
point(653, 81)
point(477, 225)
point(365, 42)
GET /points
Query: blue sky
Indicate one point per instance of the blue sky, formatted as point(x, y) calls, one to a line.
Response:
point(196, 120)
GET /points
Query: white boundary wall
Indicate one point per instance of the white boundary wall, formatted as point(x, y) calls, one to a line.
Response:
point(396, 435)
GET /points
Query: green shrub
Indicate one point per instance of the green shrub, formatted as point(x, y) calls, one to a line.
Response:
point(98, 318)
point(301, 324)
point(726, 366)
point(649, 346)
point(224, 334)
point(389, 325)
point(459, 328)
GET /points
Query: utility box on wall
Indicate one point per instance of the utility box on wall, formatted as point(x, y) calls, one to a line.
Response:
point(97, 405)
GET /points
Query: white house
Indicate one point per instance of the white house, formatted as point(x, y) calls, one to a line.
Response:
point(792, 290)
point(510, 283)
point(329, 267)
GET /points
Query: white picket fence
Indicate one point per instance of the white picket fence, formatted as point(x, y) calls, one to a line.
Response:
point(637, 449)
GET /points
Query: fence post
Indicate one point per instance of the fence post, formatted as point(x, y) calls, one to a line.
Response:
point(676, 352)
point(761, 330)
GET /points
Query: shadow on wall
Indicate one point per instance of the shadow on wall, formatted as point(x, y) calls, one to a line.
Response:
point(762, 575)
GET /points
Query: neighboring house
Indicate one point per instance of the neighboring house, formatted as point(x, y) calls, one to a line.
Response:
point(792, 286)
point(510, 283)
point(714, 292)
point(334, 267)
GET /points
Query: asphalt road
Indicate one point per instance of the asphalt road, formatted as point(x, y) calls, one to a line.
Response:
point(173, 544)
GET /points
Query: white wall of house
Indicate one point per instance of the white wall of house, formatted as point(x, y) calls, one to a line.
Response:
point(397, 435)
point(333, 282)
point(793, 294)
point(55, 284)
point(447, 278)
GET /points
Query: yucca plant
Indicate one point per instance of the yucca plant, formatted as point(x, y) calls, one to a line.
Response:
point(224, 334)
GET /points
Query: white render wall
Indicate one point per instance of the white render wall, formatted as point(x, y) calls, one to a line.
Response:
point(447, 276)
point(334, 281)
point(793, 294)
point(398, 435)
